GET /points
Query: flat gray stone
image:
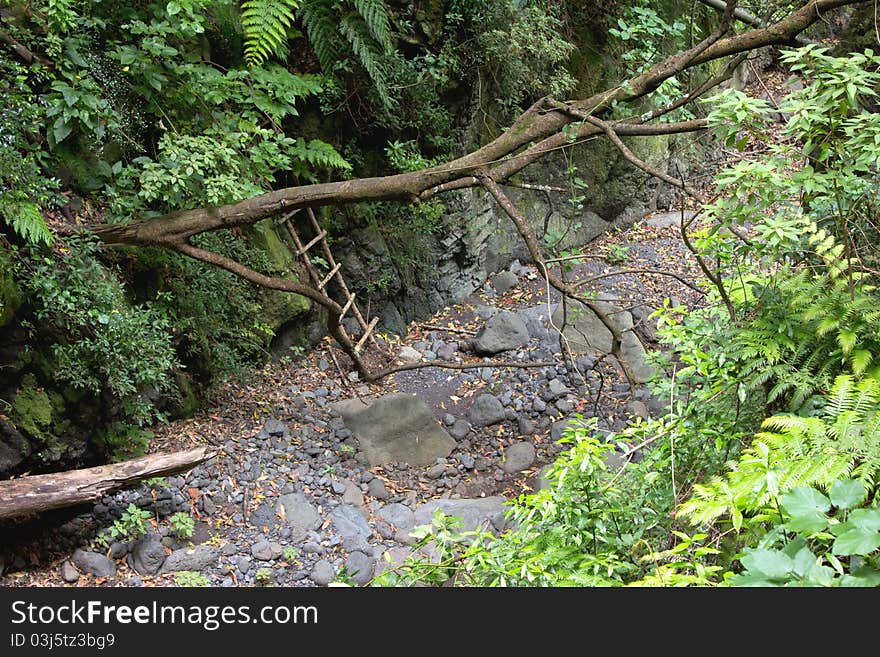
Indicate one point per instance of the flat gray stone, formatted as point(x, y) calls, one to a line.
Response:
point(409, 355)
point(485, 513)
point(401, 428)
point(93, 563)
point(638, 409)
point(518, 457)
point(348, 522)
point(299, 514)
point(194, 558)
point(486, 410)
point(360, 567)
point(501, 332)
point(397, 515)
point(147, 555)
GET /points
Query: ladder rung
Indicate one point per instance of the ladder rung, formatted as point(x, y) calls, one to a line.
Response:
point(314, 241)
point(346, 307)
point(290, 214)
point(327, 278)
point(366, 334)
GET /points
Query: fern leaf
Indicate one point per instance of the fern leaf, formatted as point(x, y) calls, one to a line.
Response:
point(358, 36)
point(320, 22)
point(375, 16)
point(265, 25)
point(26, 220)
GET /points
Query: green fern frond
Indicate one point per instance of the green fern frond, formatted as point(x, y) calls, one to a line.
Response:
point(26, 220)
point(375, 16)
point(320, 22)
point(356, 32)
point(265, 24)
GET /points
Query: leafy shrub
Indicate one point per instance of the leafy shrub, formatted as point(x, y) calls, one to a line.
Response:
point(181, 524)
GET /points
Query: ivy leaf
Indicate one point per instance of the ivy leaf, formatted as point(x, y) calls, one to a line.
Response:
point(805, 501)
point(847, 493)
point(770, 563)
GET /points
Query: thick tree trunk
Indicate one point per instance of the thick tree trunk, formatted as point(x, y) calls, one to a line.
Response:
point(38, 493)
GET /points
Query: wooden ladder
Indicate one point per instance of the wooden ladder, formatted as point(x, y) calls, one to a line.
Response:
point(320, 281)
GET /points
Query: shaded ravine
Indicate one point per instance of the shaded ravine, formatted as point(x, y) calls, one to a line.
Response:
point(292, 500)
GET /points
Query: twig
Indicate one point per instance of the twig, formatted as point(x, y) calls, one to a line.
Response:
point(435, 327)
point(445, 364)
point(659, 272)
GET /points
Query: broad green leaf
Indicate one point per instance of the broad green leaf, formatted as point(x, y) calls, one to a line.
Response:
point(805, 501)
point(811, 523)
point(856, 540)
point(867, 519)
point(770, 563)
point(847, 494)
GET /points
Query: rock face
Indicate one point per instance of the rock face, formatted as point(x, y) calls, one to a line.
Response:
point(486, 513)
point(501, 332)
point(586, 333)
point(486, 410)
point(400, 428)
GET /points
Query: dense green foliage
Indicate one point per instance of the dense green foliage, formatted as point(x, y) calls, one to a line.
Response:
point(764, 470)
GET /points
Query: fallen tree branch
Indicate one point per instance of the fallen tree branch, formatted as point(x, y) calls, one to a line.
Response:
point(449, 365)
point(659, 272)
point(38, 493)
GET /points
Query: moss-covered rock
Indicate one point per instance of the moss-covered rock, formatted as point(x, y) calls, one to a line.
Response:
point(279, 308)
point(32, 409)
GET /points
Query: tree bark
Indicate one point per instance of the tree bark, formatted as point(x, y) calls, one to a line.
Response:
point(38, 493)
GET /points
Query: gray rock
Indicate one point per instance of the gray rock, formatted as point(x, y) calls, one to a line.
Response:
point(69, 573)
point(360, 567)
point(300, 515)
point(194, 558)
point(501, 332)
point(266, 550)
point(347, 521)
point(503, 281)
point(540, 481)
point(398, 516)
point(460, 429)
point(446, 352)
point(312, 548)
point(556, 388)
point(638, 409)
point(436, 471)
point(525, 426)
point(409, 355)
point(486, 410)
point(323, 573)
point(485, 513)
point(147, 555)
point(274, 427)
point(352, 494)
point(467, 461)
point(449, 419)
point(401, 428)
point(518, 457)
point(376, 488)
point(392, 559)
point(584, 331)
point(666, 219)
point(93, 564)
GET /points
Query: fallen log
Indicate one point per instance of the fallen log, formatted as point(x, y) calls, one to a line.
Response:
point(38, 493)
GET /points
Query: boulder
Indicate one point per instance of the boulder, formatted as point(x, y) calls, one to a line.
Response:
point(518, 457)
point(501, 332)
point(147, 555)
point(484, 513)
point(503, 281)
point(486, 410)
point(401, 428)
point(195, 558)
point(299, 514)
point(93, 563)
